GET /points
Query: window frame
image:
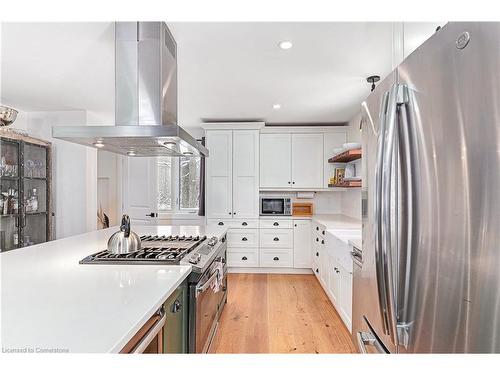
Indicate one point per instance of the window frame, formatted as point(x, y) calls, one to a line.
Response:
point(176, 210)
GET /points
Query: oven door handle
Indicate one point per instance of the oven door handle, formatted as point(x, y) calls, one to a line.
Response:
point(152, 333)
point(200, 289)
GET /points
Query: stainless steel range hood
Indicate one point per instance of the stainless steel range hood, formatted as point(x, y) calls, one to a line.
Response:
point(145, 98)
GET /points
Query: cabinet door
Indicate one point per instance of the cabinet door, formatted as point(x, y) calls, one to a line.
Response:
point(245, 173)
point(275, 160)
point(301, 243)
point(307, 160)
point(334, 281)
point(346, 296)
point(331, 142)
point(219, 196)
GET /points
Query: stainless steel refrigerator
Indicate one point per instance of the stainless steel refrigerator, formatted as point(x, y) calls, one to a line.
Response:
point(429, 276)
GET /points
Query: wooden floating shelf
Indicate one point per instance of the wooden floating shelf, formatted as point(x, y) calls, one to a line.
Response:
point(346, 156)
point(347, 184)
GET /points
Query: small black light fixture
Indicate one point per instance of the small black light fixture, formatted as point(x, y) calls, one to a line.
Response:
point(372, 80)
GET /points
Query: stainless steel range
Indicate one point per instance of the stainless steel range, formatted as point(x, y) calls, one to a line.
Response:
point(207, 283)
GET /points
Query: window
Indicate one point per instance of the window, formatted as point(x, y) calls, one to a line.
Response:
point(178, 184)
point(189, 183)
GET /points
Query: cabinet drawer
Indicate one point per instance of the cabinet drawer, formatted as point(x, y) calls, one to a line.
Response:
point(278, 238)
point(237, 257)
point(318, 229)
point(276, 258)
point(243, 238)
point(232, 223)
point(277, 224)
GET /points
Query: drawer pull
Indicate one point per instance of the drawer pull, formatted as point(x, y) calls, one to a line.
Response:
point(317, 239)
point(323, 232)
point(244, 239)
point(317, 271)
point(220, 223)
point(322, 242)
point(317, 254)
point(244, 258)
point(276, 224)
point(276, 239)
point(244, 224)
point(317, 228)
point(276, 258)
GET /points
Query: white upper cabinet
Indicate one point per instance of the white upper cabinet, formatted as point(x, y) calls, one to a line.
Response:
point(219, 164)
point(307, 161)
point(232, 174)
point(302, 243)
point(275, 160)
point(291, 160)
point(245, 173)
point(331, 142)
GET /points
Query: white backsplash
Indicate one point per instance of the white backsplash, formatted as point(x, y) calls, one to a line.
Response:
point(351, 203)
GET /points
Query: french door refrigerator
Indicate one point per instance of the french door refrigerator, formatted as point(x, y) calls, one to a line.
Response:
point(429, 278)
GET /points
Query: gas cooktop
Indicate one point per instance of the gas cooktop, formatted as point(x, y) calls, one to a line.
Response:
point(154, 250)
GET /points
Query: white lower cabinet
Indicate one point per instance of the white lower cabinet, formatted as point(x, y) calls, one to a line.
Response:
point(276, 257)
point(237, 257)
point(243, 238)
point(332, 266)
point(276, 238)
point(302, 243)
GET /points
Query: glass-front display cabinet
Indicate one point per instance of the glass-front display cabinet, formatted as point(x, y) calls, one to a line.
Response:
point(25, 187)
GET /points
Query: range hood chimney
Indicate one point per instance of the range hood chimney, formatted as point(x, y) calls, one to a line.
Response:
point(145, 98)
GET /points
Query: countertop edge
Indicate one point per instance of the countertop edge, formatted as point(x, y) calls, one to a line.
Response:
point(126, 338)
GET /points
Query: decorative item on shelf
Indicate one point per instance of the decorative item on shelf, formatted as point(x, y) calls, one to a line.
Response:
point(302, 209)
point(339, 175)
point(347, 183)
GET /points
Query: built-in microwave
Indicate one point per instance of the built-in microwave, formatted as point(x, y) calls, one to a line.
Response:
point(275, 206)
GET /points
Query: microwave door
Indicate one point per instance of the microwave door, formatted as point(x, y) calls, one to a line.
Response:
point(273, 206)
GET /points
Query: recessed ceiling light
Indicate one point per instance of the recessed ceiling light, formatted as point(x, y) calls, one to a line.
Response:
point(276, 106)
point(285, 44)
point(98, 144)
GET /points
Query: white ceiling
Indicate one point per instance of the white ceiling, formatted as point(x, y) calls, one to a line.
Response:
point(232, 71)
point(237, 70)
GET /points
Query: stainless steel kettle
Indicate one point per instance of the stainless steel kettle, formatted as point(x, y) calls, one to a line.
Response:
point(125, 241)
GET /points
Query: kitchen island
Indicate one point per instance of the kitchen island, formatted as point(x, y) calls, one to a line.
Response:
point(51, 303)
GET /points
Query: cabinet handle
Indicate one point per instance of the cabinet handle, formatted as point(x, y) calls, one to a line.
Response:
point(244, 224)
point(295, 225)
point(293, 183)
point(276, 224)
point(230, 213)
point(220, 223)
point(317, 254)
point(322, 242)
point(244, 258)
point(323, 232)
point(317, 271)
point(276, 239)
point(288, 182)
point(234, 213)
point(317, 239)
point(317, 228)
point(276, 258)
point(244, 239)
point(176, 306)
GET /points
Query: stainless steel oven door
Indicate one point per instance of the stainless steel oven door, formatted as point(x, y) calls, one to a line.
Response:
point(207, 306)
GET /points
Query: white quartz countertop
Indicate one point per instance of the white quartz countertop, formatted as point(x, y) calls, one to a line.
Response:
point(337, 221)
point(50, 301)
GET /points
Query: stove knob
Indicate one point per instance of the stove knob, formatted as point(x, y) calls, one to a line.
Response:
point(195, 258)
point(212, 241)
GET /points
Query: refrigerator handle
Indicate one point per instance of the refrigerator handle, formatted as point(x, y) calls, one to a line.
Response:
point(379, 269)
point(408, 224)
point(387, 250)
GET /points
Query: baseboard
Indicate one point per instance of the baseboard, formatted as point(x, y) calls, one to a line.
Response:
point(291, 271)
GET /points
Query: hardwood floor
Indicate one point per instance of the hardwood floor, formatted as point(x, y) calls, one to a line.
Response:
point(272, 313)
